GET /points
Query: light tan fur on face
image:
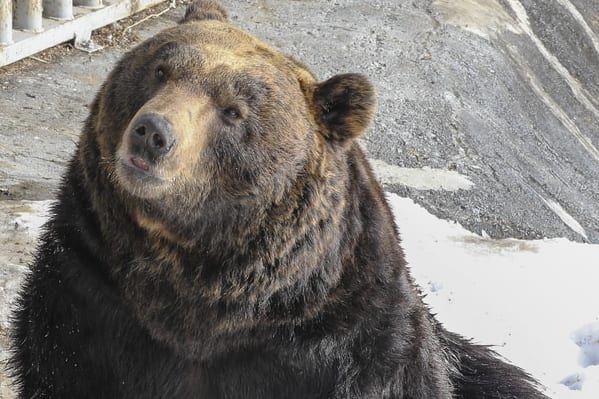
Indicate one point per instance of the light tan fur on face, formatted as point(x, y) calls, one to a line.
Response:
point(190, 116)
point(207, 59)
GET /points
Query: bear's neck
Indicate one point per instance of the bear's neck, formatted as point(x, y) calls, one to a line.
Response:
point(249, 252)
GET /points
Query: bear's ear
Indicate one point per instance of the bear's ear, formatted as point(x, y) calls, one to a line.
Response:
point(345, 104)
point(201, 10)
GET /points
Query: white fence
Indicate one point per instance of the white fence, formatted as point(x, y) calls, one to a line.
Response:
point(29, 26)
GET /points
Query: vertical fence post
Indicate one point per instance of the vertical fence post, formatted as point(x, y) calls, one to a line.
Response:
point(58, 9)
point(5, 22)
point(28, 15)
point(88, 3)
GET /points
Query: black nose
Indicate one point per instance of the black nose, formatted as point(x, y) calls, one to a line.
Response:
point(153, 136)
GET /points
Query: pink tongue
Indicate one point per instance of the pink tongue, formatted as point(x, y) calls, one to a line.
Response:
point(140, 163)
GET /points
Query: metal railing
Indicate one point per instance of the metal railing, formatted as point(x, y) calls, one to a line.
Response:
point(29, 26)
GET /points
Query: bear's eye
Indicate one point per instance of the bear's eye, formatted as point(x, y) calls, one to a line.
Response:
point(231, 113)
point(160, 73)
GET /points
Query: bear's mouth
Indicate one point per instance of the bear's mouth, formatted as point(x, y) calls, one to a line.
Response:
point(141, 178)
point(136, 169)
point(140, 164)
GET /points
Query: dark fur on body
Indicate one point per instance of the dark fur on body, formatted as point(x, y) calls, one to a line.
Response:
point(270, 267)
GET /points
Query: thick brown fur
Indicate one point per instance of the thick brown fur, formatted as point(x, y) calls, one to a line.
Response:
point(220, 234)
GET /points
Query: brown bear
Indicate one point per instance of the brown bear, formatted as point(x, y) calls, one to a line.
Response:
point(219, 234)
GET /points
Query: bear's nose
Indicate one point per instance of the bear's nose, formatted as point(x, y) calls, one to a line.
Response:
point(154, 134)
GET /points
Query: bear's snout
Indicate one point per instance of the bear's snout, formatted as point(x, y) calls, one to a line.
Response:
point(152, 137)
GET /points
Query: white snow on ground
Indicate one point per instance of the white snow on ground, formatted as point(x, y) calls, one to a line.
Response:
point(420, 178)
point(20, 225)
point(33, 215)
point(537, 301)
point(587, 338)
point(565, 217)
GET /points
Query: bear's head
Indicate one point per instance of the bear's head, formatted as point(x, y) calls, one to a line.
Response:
point(223, 175)
point(204, 119)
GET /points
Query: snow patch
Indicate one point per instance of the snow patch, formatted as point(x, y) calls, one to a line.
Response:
point(20, 226)
point(10, 281)
point(574, 382)
point(565, 217)
point(32, 215)
point(421, 178)
point(523, 297)
point(587, 339)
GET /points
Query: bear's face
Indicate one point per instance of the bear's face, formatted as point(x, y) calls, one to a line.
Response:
point(214, 115)
point(205, 113)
